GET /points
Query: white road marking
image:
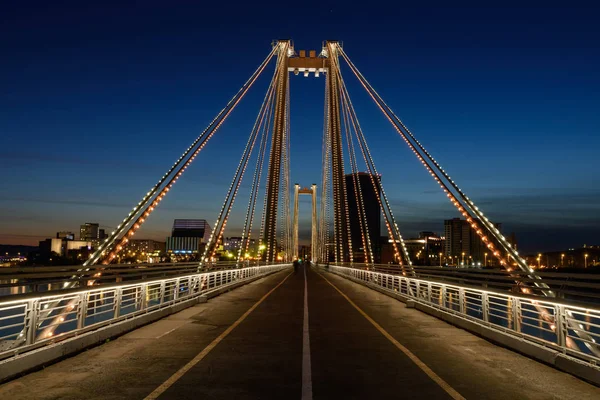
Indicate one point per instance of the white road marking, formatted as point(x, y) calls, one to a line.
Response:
point(167, 332)
point(306, 370)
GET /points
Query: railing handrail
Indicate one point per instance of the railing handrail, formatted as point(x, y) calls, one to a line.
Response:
point(30, 278)
point(577, 285)
point(111, 285)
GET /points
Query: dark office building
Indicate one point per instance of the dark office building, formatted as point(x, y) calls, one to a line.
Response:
point(188, 236)
point(372, 211)
point(191, 228)
point(463, 245)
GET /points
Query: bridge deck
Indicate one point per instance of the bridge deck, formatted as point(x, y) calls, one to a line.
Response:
point(262, 356)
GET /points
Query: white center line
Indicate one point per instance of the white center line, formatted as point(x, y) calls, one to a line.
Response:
point(306, 371)
point(167, 332)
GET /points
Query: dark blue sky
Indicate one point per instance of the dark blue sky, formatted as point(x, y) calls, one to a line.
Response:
point(97, 100)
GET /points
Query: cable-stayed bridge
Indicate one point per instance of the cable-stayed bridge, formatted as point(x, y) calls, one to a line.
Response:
point(301, 330)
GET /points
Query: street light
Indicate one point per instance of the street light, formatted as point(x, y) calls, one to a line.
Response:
point(562, 256)
point(463, 258)
point(440, 255)
point(538, 260)
point(585, 260)
point(485, 263)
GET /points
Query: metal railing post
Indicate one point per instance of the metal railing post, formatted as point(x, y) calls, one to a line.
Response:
point(561, 326)
point(143, 292)
point(82, 310)
point(176, 291)
point(118, 301)
point(161, 293)
point(516, 309)
point(443, 294)
point(485, 306)
point(31, 321)
point(461, 300)
point(429, 292)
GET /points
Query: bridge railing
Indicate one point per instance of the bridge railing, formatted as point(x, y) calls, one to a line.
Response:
point(26, 279)
point(568, 328)
point(577, 287)
point(36, 319)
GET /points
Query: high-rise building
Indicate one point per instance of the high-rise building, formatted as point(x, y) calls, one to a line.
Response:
point(146, 246)
point(372, 212)
point(89, 231)
point(233, 243)
point(426, 249)
point(463, 245)
point(191, 228)
point(189, 236)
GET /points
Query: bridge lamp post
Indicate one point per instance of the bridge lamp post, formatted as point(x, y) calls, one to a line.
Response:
point(485, 259)
point(585, 260)
point(463, 258)
point(539, 259)
point(440, 256)
point(562, 257)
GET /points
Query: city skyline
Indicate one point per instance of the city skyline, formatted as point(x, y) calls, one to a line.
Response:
point(87, 138)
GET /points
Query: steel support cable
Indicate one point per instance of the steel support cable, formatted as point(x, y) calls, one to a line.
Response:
point(330, 223)
point(340, 193)
point(274, 176)
point(147, 204)
point(338, 83)
point(360, 209)
point(391, 223)
point(288, 172)
point(221, 222)
point(387, 113)
point(369, 244)
point(470, 205)
point(267, 129)
point(377, 187)
point(210, 129)
point(397, 123)
point(256, 179)
point(324, 215)
point(333, 174)
point(285, 211)
point(404, 131)
point(264, 212)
